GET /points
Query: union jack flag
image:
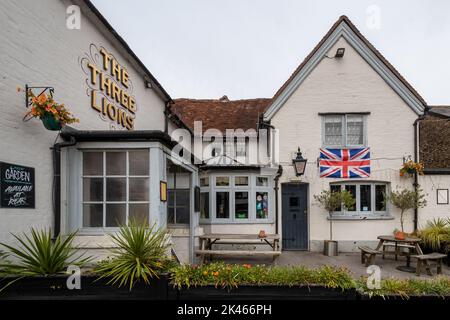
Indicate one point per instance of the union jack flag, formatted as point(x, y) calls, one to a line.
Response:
point(345, 163)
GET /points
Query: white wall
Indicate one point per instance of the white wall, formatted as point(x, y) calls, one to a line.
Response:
point(37, 49)
point(346, 85)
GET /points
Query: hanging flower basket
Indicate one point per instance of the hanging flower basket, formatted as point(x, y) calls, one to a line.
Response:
point(52, 114)
point(410, 167)
point(51, 123)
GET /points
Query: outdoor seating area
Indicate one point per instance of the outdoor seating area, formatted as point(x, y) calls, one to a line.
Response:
point(408, 247)
point(207, 241)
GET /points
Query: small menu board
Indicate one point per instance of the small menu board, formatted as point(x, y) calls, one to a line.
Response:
point(16, 186)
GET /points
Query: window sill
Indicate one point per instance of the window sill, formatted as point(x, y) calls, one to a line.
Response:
point(243, 221)
point(361, 217)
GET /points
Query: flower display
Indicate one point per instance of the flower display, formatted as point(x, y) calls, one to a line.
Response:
point(410, 167)
point(43, 106)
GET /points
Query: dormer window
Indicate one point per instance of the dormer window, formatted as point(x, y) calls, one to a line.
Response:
point(344, 130)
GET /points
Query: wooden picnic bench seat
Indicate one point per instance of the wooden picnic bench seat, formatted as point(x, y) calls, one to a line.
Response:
point(423, 259)
point(397, 248)
point(236, 253)
point(368, 255)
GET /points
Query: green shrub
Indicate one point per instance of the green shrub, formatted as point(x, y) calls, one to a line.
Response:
point(231, 276)
point(436, 234)
point(40, 255)
point(140, 254)
point(439, 286)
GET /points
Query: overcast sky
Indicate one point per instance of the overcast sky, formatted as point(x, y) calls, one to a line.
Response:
point(248, 48)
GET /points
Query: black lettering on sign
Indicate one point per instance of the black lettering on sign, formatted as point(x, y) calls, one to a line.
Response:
point(16, 186)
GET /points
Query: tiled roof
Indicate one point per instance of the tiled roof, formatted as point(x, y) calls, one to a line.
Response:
point(434, 137)
point(220, 113)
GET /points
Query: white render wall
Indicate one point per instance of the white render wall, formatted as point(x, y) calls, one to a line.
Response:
point(346, 85)
point(430, 184)
point(37, 49)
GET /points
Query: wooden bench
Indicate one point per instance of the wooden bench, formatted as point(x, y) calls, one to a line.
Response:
point(397, 248)
point(237, 253)
point(368, 255)
point(422, 260)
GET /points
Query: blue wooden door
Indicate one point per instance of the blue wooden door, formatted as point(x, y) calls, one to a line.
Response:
point(295, 216)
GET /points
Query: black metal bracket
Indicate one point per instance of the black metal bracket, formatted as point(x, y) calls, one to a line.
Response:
point(51, 90)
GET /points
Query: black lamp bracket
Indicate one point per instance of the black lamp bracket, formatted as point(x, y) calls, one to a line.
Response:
point(51, 90)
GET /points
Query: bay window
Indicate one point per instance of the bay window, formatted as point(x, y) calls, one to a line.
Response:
point(239, 198)
point(370, 198)
point(115, 187)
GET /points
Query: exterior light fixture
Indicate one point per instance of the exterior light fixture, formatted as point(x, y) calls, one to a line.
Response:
point(339, 53)
point(148, 84)
point(299, 164)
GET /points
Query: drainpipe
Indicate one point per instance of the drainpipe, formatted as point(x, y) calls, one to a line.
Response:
point(276, 188)
point(56, 151)
point(416, 158)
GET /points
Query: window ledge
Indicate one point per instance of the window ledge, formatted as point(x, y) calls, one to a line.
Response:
point(361, 217)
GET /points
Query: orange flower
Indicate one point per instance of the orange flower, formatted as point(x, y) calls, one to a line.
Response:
point(248, 266)
point(215, 273)
point(42, 99)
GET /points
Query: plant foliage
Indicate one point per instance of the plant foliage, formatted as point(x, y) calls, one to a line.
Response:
point(436, 234)
point(406, 199)
point(140, 254)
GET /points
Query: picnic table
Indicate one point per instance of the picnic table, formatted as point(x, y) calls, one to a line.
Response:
point(209, 239)
point(413, 241)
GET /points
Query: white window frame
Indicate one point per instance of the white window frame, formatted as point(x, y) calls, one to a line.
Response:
point(358, 213)
point(251, 188)
point(104, 176)
point(344, 143)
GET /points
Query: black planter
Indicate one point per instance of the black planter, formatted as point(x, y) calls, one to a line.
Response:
point(362, 296)
point(55, 288)
point(265, 292)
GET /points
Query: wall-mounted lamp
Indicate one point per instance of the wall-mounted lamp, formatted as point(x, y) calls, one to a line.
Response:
point(299, 164)
point(148, 84)
point(339, 53)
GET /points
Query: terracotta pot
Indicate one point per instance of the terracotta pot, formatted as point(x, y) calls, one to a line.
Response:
point(399, 235)
point(262, 234)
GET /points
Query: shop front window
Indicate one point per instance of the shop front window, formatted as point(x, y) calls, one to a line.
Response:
point(179, 195)
point(115, 188)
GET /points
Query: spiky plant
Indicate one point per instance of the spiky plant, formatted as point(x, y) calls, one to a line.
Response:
point(38, 254)
point(436, 233)
point(140, 254)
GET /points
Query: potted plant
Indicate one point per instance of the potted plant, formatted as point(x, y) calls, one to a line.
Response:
point(410, 168)
point(406, 199)
point(52, 114)
point(332, 201)
point(436, 236)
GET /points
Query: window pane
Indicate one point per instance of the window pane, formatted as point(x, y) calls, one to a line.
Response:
point(139, 162)
point(170, 215)
point(262, 182)
point(204, 182)
point(352, 190)
point(336, 188)
point(115, 163)
point(204, 205)
point(241, 205)
point(222, 205)
point(116, 189)
point(366, 197)
point(115, 215)
point(241, 181)
point(92, 189)
point(138, 212)
point(262, 205)
point(355, 130)
point(93, 215)
point(182, 215)
point(380, 194)
point(92, 163)
point(333, 130)
point(222, 181)
point(138, 189)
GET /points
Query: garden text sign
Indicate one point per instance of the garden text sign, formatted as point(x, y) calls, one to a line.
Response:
point(16, 186)
point(109, 88)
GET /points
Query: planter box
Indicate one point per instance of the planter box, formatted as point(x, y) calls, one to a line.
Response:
point(55, 288)
point(265, 292)
point(366, 297)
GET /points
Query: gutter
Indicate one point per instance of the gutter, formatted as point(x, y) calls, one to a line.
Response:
point(56, 188)
point(276, 188)
point(416, 158)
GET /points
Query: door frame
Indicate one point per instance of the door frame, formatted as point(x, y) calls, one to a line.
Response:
point(308, 206)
